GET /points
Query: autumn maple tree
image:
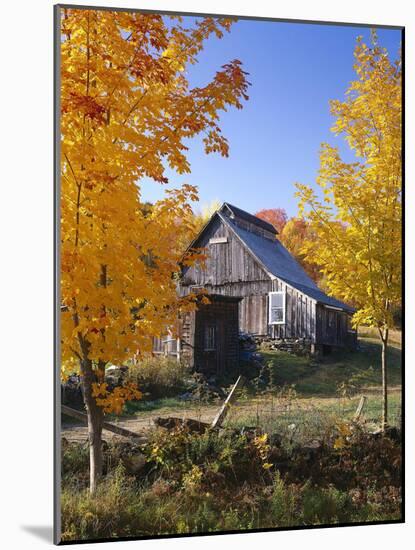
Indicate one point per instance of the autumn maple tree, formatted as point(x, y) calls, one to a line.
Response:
point(294, 233)
point(359, 221)
point(127, 112)
point(275, 216)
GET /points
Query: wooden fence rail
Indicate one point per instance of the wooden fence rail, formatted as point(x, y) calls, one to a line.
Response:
point(140, 437)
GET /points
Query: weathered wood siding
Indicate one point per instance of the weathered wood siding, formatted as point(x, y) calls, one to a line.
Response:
point(231, 270)
point(300, 314)
point(223, 315)
point(187, 334)
point(331, 326)
point(227, 263)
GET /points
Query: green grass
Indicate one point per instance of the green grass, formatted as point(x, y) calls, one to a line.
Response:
point(395, 336)
point(126, 509)
point(324, 376)
point(300, 420)
point(359, 372)
point(217, 481)
point(131, 408)
point(372, 411)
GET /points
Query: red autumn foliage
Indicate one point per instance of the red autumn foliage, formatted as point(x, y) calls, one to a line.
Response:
point(275, 216)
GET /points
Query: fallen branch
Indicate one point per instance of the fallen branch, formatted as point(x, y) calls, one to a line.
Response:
point(105, 425)
point(223, 411)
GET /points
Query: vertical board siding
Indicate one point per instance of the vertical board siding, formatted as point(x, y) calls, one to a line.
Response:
point(226, 263)
point(331, 326)
point(224, 316)
point(231, 270)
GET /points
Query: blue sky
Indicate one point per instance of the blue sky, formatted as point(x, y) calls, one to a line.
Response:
point(295, 69)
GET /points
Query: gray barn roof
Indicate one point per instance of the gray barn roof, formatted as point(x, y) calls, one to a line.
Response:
point(248, 217)
point(276, 259)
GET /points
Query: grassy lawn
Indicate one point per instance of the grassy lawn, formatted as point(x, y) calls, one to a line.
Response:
point(302, 419)
point(395, 336)
point(324, 376)
point(218, 480)
point(303, 393)
point(316, 385)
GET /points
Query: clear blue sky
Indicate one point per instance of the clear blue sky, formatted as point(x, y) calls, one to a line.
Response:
point(295, 69)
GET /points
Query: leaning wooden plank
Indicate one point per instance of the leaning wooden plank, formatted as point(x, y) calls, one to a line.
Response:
point(105, 425)
point(220, 417)
point(359, 409)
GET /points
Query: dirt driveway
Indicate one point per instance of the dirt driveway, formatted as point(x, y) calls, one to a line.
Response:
point(264, 408)
point(141, 422)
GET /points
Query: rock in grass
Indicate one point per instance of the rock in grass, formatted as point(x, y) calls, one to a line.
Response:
point(172, 423)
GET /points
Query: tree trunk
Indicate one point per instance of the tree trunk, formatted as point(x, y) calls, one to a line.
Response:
point(384, 338)
point(95, 419)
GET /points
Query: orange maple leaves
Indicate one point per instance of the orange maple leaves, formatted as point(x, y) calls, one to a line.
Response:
point(113, 401)
point(127, 111)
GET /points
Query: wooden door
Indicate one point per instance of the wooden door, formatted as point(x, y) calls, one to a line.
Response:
point(220, 346)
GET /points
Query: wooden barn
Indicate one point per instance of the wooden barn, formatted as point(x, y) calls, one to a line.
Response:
point(256, 286)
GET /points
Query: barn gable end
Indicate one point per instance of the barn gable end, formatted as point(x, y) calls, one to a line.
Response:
point(246, 260)
point(231, 270)
point(228, 260)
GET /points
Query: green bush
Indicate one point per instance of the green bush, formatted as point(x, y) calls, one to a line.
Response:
point(160, 376)
point(325, 505)
point(226, 459)
point(75, 462)
point(282, 503)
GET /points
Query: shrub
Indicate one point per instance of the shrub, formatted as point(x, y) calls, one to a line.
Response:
point(160, 376)
point(216, 481)
point(216, 459)
point(75, 462)
point(324, 506)
point(282, 503)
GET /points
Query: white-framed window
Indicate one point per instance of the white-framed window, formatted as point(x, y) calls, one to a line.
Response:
point(276, 308)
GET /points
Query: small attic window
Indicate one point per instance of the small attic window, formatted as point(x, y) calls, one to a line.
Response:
point(276, 302)
point(218, 240)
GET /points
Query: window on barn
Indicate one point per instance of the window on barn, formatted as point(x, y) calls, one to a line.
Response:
point(158, 345)
point(210, 338)
point(276, 308)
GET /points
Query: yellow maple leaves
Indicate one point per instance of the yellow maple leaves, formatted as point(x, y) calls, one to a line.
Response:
point(344, 432)
point(358, 221)
point(126, 111)
point(113, 401)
